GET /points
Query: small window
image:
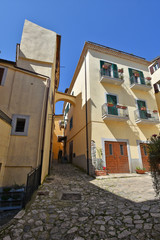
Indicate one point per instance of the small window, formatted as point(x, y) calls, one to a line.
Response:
point(0, 166)
point(3, 73)
point(71, 123)
point(156, 66)
point(145, 150)
point(20, 125)
point(121, 149)
point(110, 149)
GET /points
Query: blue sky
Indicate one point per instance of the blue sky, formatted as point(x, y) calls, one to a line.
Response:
point(127, 25)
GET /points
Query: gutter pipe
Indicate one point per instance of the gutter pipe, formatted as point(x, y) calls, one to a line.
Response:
point(86, 118)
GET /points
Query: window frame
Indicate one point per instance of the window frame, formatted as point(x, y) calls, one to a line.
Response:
point(14, 125)
point(156, 66)
point(71, 123)
point(4, 75)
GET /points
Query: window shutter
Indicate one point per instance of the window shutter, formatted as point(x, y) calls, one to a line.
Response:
point(101, 64)
point(141, 77)
point(1, 74)
point(131, 75)
point(151, 69)
point(156, 88)
point(102, 70)
point(115, 70)
point(130, 72)
point(158, 60)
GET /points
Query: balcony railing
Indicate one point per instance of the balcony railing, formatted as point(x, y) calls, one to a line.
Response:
point(115, 112)
point(140, 83)
point(110, 76)
point(146, 116)
point(61, 124)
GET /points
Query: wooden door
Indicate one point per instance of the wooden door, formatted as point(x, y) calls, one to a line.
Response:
point(144, 155)
point(116, 157)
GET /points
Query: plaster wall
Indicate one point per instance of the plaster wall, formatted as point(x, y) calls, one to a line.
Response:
point(23, 94)
point(5, 130)
point(156, 78)
point(57, 132)
point(78, 113)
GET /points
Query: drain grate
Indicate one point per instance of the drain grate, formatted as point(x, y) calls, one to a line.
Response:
point(71, 196)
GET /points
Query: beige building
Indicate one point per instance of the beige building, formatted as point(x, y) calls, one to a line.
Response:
point(154, 69)
point(27, 93)
point(57, 135)
point(115, 111)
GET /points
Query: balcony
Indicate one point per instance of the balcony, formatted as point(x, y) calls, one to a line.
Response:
point(140, 83)
point(146, 117)
point(110, 76)
point(61, 124)
point(115, 112)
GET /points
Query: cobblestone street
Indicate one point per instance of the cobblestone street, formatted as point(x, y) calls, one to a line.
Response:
point(99, 209)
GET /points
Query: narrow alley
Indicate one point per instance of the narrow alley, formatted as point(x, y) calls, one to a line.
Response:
point(71, 205)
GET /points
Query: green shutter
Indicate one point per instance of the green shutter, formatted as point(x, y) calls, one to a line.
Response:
point(115, 70)
point(112, 99)
point(141, 77)
point(102, 70)
point(131, 75)
point(142, 113)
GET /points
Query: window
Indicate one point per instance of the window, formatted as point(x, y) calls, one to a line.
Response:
point(121, 149)
point(110, 149)
point(155, 66)
point(112, 103)
point(136, 76)
point(108, 69)
point(3, 73)
point(20, 125)
point(71, 123)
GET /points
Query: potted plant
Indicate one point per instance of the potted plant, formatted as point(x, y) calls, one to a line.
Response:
point(155, 111)
point(110, 104)
point(99, 166)
point(105, 66)
point(123, 107)
point(101, 172)
point(148, 78)
point(118, 106)
point(120, 70)
point(136, 74)
point(140, 170)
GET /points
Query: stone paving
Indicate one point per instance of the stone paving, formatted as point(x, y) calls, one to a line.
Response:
point(106, 209)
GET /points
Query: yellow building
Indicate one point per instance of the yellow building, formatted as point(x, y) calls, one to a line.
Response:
point(27, 93)
point(115, 111)
point(58, 133)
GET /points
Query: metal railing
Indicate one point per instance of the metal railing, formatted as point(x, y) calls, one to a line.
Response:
point(146, 115)
point(111, 73)
point(117, 110)
point(61, 124)
point(140, 81)
point(33, 181)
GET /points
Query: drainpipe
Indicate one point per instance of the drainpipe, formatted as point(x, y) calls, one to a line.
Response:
point(52, 129)
point(86, 117)
point(45, 119)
